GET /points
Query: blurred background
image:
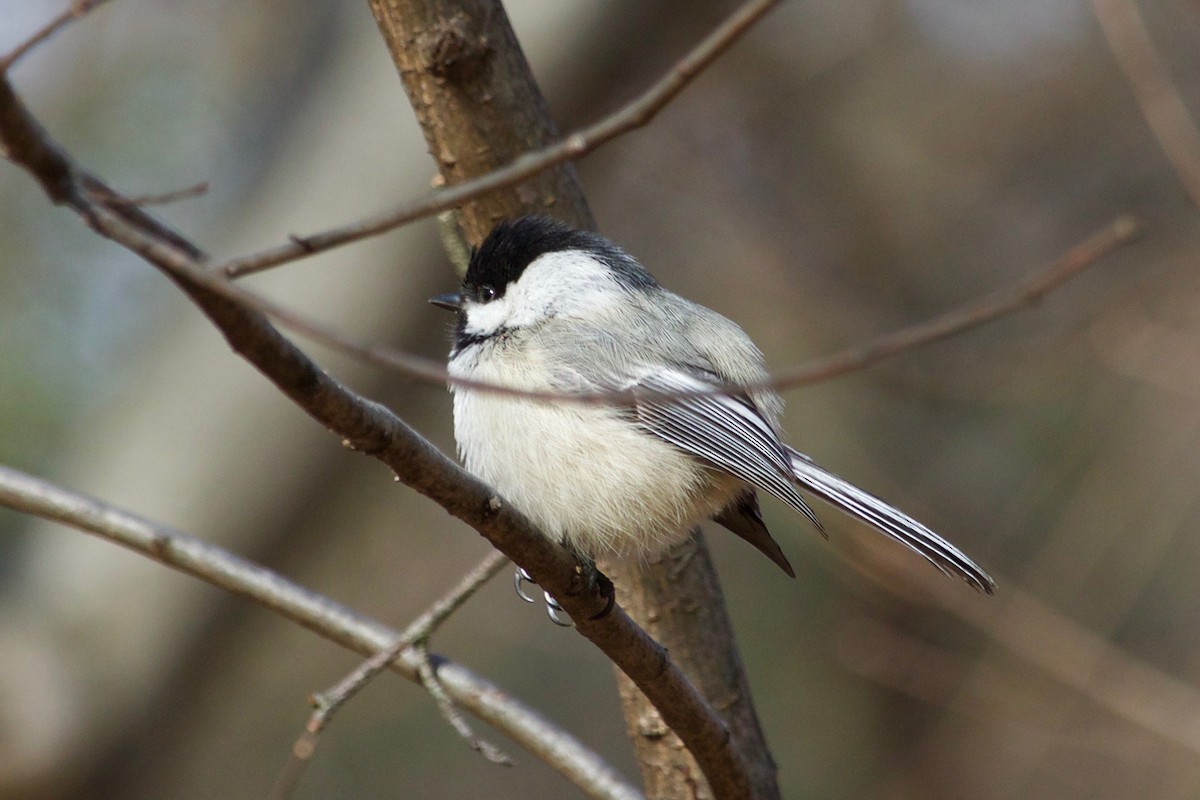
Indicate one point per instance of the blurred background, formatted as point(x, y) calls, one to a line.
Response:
point(847, 169)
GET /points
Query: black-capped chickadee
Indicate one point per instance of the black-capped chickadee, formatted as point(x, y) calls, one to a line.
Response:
point(548, 308)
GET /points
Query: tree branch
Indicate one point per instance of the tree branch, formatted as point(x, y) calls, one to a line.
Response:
point(77, 9)
point(1161, 104)
point(220, 568)
point(631, 116)
point(327, 703)
point(1029, 630)
point(1002, 302)
point(450, 713)
point(164, 198)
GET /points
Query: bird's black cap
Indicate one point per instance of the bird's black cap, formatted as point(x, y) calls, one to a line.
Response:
point(514, 244)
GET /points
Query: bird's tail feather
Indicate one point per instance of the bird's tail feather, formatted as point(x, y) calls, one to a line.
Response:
point(888, 520)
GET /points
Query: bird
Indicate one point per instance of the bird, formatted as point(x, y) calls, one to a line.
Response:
point(692, 430)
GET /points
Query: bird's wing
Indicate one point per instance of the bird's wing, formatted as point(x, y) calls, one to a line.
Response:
point(728, 432)
point(888, 520)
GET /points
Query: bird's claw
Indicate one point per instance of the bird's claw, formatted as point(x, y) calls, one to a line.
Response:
point(520, 578)
point(553, 609)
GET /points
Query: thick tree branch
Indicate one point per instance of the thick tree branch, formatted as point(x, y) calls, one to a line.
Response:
point(373, 429)
point(322, 616)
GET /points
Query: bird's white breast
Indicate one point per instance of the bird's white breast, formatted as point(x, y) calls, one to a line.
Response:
point(585, 474)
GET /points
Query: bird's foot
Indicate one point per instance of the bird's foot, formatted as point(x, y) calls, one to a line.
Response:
point(594, 580)
point(553, 609)
point(597, 581)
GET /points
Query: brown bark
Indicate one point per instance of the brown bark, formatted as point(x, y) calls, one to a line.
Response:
point(678, 600)
point(480, 108)
point(478, 105)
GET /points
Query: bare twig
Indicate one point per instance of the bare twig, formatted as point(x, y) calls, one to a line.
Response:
point(1000, 303)
point(429, 679)
point(328, 702)
point(417, 632)
point(1162, 106)
point(77, 9)
point(631, 116)
point(164, 198)
point(225, 570)
point(1028, 629)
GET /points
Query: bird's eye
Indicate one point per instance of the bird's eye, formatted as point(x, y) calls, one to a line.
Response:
point(487, 293)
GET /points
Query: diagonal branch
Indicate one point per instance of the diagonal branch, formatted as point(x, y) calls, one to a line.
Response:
point(1030, 630)
point(322, 616)
point(373, 429)
point(327, 703)
point(1162, 105)
point(77, 9)
point(1009, 300)
point(631, 116)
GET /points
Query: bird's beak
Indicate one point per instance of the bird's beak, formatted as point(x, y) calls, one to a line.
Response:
point(450, 302)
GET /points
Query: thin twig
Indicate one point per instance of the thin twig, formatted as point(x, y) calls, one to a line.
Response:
point(419, 631)
point(163, 198)
point(327, 703)
point(433, 685)
point(1000, 303)
point(1030, 630)
point(1162, 105)
point(77, 9)
point(631, 116)
point(232, 573)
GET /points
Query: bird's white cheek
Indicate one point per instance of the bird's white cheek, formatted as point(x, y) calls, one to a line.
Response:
point(508, 312)
point(484, 319)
